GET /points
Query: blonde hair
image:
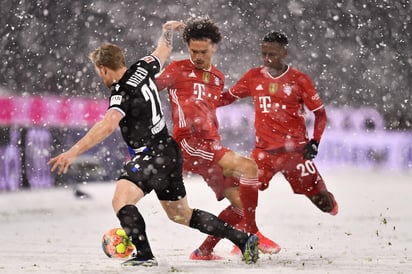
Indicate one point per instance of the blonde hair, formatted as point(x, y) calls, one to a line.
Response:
point(108, 55)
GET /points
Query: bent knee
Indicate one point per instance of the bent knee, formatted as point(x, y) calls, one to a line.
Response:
point(247, 168)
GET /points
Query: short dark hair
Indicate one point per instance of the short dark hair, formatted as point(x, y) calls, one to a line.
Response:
point(276, 37)
point(199, 28)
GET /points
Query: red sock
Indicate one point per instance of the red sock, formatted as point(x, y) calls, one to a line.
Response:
point(248, 192)
point(230, 215)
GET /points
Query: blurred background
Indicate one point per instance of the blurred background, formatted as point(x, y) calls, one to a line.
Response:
point(358, 54)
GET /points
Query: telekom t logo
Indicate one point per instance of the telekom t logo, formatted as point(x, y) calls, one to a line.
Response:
point(199, 90)
point(264, 103)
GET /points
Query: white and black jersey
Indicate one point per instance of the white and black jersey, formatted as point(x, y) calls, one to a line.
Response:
point(137, 98)
point(156, 162)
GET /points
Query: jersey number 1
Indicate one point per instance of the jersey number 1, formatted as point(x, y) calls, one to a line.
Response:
point(150, 94)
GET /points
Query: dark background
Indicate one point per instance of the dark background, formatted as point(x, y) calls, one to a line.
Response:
point(357, 52)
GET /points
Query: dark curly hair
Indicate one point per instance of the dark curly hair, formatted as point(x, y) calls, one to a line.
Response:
point(201, 28)
point(275, 37)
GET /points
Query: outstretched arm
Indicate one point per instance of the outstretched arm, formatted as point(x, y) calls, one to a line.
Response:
point(319, 124)
point(94, 136)
point(311, 148)
point(165, 42)
point(227, 98)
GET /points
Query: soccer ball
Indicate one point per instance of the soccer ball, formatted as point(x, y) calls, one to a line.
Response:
point(116, 244)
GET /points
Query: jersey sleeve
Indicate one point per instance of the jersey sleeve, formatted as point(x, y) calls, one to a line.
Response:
point(309, 95)
point(151, 63)
point(242, 88)
point(118, 99)
point(166, 77)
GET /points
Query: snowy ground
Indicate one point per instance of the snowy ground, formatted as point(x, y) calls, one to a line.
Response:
point(50, 231)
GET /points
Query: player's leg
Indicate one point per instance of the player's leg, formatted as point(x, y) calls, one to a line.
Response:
point(246, 170)
point(171, 193)
point(223, 187)
point(180, 212)
point(126, 195)
point(325, 201)
point(232, 215)
point(305, 179)
point(267, 168)
point(199, 157)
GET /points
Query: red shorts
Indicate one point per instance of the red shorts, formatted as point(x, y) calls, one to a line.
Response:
point(302, 174)
point(200, 156)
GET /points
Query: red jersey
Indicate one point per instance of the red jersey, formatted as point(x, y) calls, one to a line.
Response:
point(194, 95)
point(279, 105)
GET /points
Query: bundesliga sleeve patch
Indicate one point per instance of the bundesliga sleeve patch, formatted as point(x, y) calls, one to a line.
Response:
point(115, 100)
point(148, 59)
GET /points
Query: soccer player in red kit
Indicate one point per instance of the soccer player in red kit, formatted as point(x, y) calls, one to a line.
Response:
point(194, 86)
point(280, 93)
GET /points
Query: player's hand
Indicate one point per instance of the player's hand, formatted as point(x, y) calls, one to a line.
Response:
point(310, 150)
point(61, 162)
point(174, 25)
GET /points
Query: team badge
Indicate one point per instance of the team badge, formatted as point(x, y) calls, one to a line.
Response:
point(217, 81)
point(273, 87)
point(216, 146)
point(287, 89)
point(206, 77)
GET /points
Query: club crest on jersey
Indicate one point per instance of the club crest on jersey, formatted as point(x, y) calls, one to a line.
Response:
point(206, 77)
point(217, 81)
point(273, 87)
point(217, 146)
point(287, 89)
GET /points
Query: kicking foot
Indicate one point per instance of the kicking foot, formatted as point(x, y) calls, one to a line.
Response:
point(335, 208)
point(250, 250)
point(266, 246)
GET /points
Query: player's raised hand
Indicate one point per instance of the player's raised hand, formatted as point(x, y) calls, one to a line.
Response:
point(174, 25)
point(61, 162)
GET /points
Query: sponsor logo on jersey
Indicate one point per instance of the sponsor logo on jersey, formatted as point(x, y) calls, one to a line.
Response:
point(206, 77)
point(115, 100)
point(265, 103)
point(273, 87)
point(259, 87)
point(192, 74)
point(287, 89)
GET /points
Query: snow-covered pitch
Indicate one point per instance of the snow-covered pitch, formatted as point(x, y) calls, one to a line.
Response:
point(52, 231)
